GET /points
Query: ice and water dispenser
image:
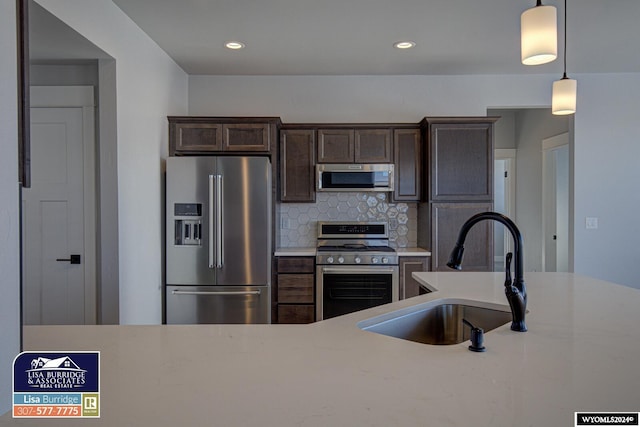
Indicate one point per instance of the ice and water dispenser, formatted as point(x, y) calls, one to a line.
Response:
point(188, 224)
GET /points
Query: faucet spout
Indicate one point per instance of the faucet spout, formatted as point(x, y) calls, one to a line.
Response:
point(515, 291)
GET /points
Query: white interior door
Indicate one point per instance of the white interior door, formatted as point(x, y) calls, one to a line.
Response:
point(55, 220)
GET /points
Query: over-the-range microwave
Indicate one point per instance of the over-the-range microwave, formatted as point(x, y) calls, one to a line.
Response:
point(354, 177)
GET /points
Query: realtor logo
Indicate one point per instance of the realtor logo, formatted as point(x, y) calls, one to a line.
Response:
point(90, 402)
point(60, 385)
point(61, 372)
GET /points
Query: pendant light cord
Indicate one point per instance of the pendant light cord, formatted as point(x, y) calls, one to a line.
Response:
point(564, 74)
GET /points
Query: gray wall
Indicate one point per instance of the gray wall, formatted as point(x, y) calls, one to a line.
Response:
point(606, 153)
point(9, 198)
point(505, 128)
point(64, 74)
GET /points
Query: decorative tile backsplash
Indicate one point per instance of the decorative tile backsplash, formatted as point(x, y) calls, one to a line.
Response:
point(298, 225)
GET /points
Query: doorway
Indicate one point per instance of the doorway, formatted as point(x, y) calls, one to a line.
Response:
point(555, 203)
point(504, 202)
point(59, 210)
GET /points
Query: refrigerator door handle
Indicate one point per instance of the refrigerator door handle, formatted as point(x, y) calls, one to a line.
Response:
point(212, 236)
point(219, 223)
point(178, 292)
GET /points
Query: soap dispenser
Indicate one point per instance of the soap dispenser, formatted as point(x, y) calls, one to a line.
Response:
point(477, 338)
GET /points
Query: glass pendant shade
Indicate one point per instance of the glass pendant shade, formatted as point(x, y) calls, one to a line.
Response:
point(563, 100)
point(539, 35)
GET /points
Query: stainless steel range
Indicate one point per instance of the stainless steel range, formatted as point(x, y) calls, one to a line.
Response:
point(355, 268)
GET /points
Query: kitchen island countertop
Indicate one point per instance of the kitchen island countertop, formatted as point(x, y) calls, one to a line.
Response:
point(580, 354)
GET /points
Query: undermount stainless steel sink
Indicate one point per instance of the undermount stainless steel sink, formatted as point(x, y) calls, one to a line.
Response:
point(439, 323)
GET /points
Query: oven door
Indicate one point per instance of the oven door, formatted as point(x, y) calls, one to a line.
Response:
point(345, 289)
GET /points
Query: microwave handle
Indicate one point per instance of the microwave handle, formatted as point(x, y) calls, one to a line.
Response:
point(318, 179)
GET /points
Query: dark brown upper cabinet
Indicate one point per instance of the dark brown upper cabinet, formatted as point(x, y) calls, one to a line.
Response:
point(246, 137)
point(206, 135)
point(373, 146)
point(197, 136)
point(355, 146)
point(407, 167)
point(460, 158)
point(297, 165)
point(335, 145)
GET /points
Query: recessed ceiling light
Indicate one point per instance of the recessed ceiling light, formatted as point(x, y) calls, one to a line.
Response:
point(234, 45)
point(407, 44)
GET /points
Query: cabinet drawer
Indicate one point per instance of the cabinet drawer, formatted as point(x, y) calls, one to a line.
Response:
point(290, 314)
point(295, 288)
point(296, 264)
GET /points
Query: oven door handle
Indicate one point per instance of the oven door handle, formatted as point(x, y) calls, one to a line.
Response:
point(349, 270)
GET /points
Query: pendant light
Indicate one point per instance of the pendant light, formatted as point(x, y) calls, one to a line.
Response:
point(539, 34)
point(563, 99)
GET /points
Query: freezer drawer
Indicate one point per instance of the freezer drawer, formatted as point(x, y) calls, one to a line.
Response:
point(218, 304)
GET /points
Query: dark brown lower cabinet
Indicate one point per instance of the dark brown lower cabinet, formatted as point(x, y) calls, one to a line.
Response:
point(409, 287)
point(295, 289)
point(446, 221)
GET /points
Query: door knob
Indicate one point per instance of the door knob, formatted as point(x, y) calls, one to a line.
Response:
point(73, 259)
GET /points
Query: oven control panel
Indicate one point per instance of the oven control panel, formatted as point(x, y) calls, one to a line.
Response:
point(357, 259)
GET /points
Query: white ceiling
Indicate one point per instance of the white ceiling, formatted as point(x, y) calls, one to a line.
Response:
point(342, 37)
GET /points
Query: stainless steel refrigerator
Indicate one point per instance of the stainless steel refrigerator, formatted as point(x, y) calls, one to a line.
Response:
point(218, 240)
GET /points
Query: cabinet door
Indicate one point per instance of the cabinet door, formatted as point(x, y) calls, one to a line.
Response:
point(373, 146)
point(406, 144)
point(461, 158)
point(409, 287)
point(297, 165)
point(246, 137)
point(335, 145)
point(196, 137)
point(446, 220)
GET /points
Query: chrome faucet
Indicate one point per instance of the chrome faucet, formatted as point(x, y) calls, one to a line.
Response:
point(516, 291)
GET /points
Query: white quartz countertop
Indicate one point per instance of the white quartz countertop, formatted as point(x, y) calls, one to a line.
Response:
point(312, 252)
point(295, 252)
point(412, 252)
point(581, 353)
